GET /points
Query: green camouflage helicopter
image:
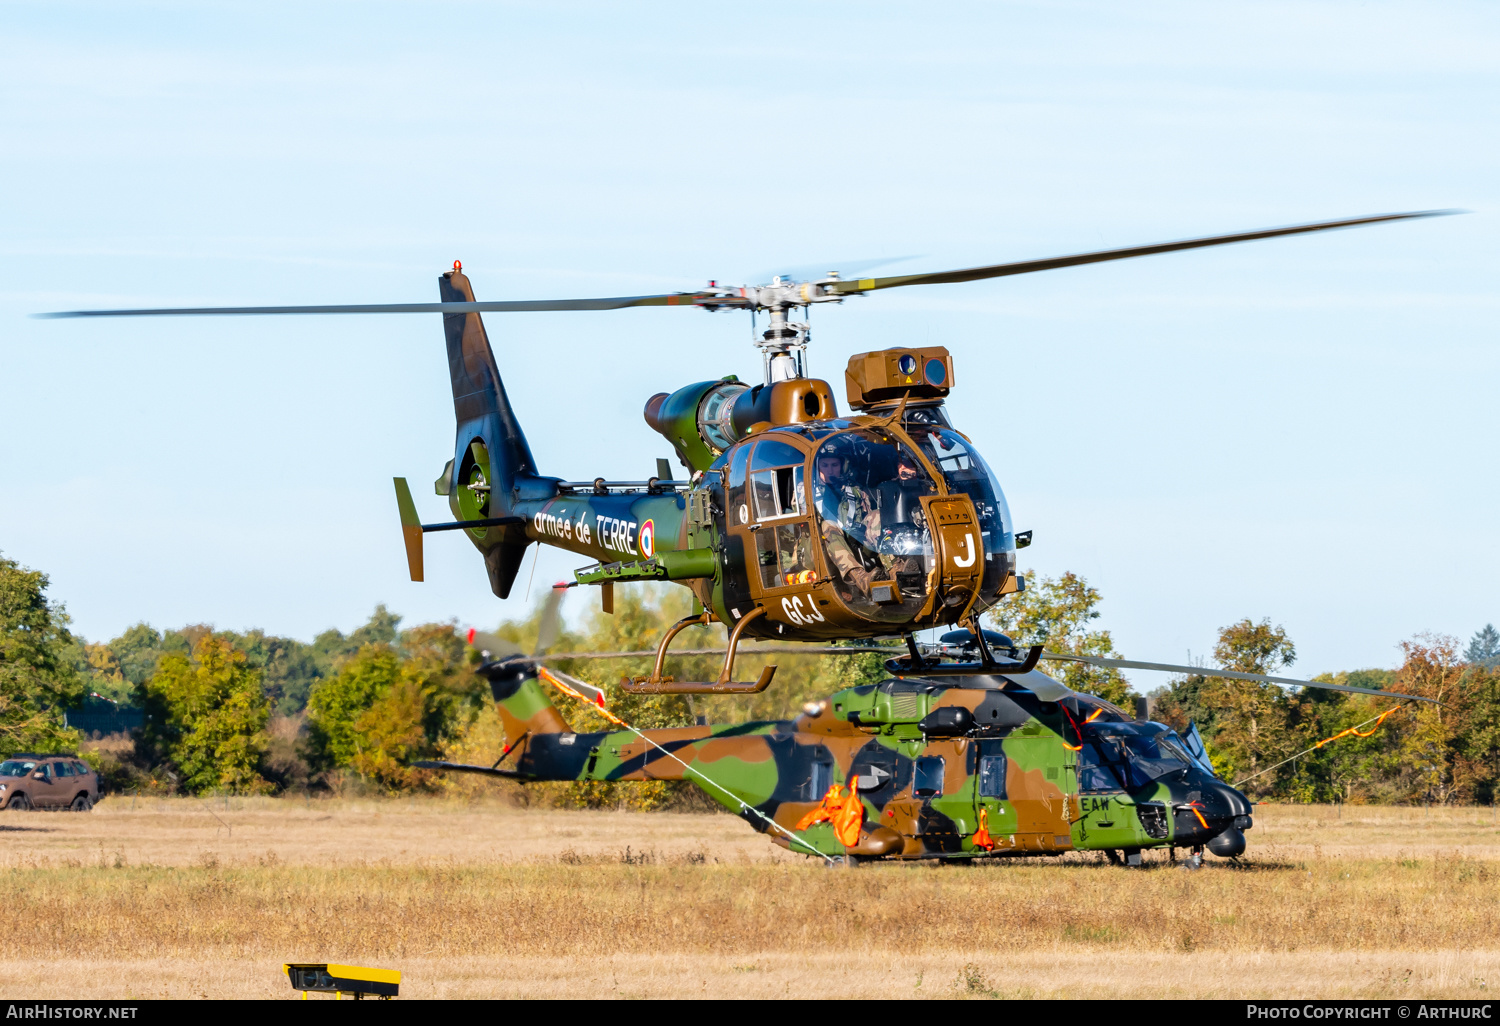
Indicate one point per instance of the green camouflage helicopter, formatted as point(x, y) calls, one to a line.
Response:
point(798, 523)
point(920, 766)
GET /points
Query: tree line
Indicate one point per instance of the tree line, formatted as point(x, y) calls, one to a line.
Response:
point(226, 711)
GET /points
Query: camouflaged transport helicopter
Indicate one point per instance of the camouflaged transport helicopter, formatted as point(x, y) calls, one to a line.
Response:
point(797, 522)
point(916, 767)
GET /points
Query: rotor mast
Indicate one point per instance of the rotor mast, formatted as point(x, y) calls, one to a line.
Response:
point(783, 345)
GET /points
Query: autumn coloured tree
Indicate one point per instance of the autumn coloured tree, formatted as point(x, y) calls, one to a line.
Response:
point(391, 704)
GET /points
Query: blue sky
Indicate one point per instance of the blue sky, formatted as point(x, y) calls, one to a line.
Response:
point(1301, 429)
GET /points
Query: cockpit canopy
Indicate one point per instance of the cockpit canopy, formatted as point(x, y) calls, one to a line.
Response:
point(856, 499)
point(1135, 754)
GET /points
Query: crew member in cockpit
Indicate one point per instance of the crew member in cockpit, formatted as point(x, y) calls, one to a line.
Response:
point(847, 511)
point(901, 514)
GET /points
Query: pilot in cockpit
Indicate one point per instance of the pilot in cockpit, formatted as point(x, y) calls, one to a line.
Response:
point(849, 513)
point(904, 538)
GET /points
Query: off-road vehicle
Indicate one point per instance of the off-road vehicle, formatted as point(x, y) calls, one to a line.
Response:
point(29, 781)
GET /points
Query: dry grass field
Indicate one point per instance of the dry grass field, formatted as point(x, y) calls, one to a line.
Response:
point(188, 898)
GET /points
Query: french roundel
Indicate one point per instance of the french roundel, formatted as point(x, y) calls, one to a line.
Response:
point(647, 538)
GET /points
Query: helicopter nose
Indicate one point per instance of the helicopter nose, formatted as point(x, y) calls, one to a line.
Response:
point(1232, 803)
point(1210, 811)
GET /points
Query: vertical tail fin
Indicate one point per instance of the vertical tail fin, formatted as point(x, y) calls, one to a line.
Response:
point(524, 707)
point(491, 452)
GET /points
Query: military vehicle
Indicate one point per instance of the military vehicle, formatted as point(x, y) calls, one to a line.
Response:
point(946, 765)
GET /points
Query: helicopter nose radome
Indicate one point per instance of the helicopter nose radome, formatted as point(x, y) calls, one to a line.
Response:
point(1228, 843)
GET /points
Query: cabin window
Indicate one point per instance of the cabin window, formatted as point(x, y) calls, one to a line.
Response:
point(739, 508)
point(778, 493)
point(819, 781)
point(784, 554)
point(992, 776)
point(927, 779)
point(771, 453)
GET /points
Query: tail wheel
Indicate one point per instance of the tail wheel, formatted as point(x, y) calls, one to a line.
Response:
point(81, 804)
point(19, 802)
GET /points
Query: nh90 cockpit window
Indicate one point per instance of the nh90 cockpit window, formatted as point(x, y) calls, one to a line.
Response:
point(1142, 758)
point(866, 492)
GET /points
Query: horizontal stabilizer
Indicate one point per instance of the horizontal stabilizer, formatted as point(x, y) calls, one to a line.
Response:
point(411, 528)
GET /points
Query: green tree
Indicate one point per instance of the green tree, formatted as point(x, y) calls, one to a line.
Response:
point(1246, 724)
point(391, 732)
point(333, 646)
point(137, 650)
point(288, 667)
point(389, 704)
point(1484, 647)
point(207, 716)
point(37, 679)
point(336, 704)
point(1058, 613)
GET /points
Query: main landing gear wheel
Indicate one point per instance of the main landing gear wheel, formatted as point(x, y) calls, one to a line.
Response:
point(1114, 857)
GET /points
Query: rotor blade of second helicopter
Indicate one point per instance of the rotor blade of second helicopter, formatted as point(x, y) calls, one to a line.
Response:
point(748, 650)
point(1051, 263)
point(1206, 671)
point(549, 625)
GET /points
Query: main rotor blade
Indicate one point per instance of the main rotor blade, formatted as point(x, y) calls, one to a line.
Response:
point(493, 644)
point(1204, 671)
point(491, 306)
point(1050, 263)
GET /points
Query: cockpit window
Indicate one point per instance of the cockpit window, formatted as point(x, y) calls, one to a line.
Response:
point(867, 494)
point(965, 471)
point(1145, 758)
point(1094, 772)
